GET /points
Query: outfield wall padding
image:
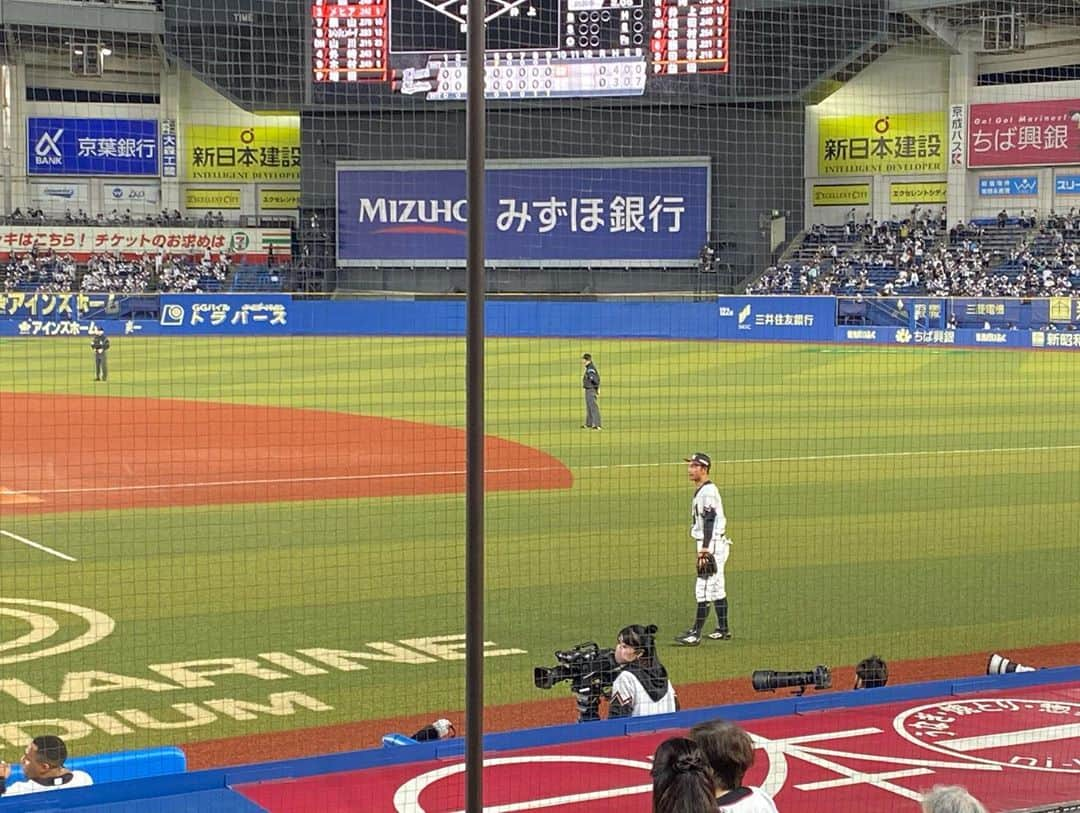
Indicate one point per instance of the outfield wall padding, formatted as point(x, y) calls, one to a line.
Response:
point(1046, 323)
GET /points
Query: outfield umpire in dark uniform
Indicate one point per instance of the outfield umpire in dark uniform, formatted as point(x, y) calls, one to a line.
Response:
point(591, 382)
point(100, 346)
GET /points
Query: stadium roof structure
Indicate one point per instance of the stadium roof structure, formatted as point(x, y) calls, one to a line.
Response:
point(787, 51)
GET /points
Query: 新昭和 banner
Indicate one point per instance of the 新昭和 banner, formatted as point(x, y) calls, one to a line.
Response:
point(1041, 133)
point(537, 214)
point(62, 146)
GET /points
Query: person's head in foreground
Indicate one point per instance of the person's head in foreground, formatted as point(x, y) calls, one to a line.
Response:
point(682, 780)
point(728, 748)
point(950, 799)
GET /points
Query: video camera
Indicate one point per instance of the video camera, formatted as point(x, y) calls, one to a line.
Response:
point(591, 672)
point(766, 680)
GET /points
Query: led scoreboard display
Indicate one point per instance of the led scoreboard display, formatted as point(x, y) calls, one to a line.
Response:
point(350, 41)
point(536, 48)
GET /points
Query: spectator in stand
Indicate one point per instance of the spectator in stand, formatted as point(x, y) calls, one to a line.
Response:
point(1042, 265)
point(1002, 219)
point(48, 274)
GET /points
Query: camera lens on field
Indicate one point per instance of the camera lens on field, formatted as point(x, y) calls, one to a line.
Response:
point(1000, 665)
point(767, 680)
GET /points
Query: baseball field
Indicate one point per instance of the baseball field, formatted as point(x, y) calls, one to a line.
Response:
point(237, 537)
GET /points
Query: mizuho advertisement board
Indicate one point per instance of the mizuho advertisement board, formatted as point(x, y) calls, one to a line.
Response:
point(535, 215)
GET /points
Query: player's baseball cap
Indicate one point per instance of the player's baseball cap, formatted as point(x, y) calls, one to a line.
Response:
point(587, 357)
point(700, 458)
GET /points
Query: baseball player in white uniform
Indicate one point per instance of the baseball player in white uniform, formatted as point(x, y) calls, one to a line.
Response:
point(707, 527)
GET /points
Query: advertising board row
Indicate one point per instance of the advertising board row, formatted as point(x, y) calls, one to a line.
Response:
point(83, 242)
point(858, 194)
point(934, 192)
point(230, 199)
point(798, 319)
point(542, 213)
point(1036, 133)
point(139, 147)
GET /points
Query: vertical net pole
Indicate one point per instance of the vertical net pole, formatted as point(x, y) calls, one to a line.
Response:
point(474, 413)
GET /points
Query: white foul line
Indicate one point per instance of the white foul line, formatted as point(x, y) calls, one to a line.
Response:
point(26, 541)
point(1023, 737)
point(333, 478)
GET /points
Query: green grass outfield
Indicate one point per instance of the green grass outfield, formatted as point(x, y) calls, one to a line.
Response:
point(912, 502)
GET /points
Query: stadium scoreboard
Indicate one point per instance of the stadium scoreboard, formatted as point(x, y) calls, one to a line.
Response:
point(535, 48)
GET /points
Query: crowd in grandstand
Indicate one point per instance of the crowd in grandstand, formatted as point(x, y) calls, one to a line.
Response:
point(54, 273)
point(181, 274)
point(1009, 256)
point(117, 217)
point(111, 273)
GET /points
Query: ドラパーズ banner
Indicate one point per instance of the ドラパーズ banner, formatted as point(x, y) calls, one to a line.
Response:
point(1039, 133)
point(60, 146)
point(542, 213)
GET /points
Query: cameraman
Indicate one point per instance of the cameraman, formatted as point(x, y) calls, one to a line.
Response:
point(642, 686)
point(871, 673)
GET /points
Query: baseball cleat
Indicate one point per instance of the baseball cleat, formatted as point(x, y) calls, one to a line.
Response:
point(690, 638)
point(717, 635)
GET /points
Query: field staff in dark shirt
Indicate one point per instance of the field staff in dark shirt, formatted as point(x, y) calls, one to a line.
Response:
point(100, 345)
point(591, 382)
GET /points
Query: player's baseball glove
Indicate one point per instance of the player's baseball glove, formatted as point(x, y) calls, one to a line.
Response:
point(706, 565)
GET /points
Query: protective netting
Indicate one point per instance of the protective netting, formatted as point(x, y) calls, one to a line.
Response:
point(231, 491)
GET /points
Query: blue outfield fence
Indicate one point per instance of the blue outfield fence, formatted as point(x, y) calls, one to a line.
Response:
point(1040, 323)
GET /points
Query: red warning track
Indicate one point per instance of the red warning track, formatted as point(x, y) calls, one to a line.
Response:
point(80, 453)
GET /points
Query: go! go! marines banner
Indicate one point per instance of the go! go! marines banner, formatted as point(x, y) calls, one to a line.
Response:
point(1043, 133)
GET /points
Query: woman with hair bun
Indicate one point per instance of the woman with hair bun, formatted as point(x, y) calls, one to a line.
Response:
point(682, 780)
point(642, 686)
